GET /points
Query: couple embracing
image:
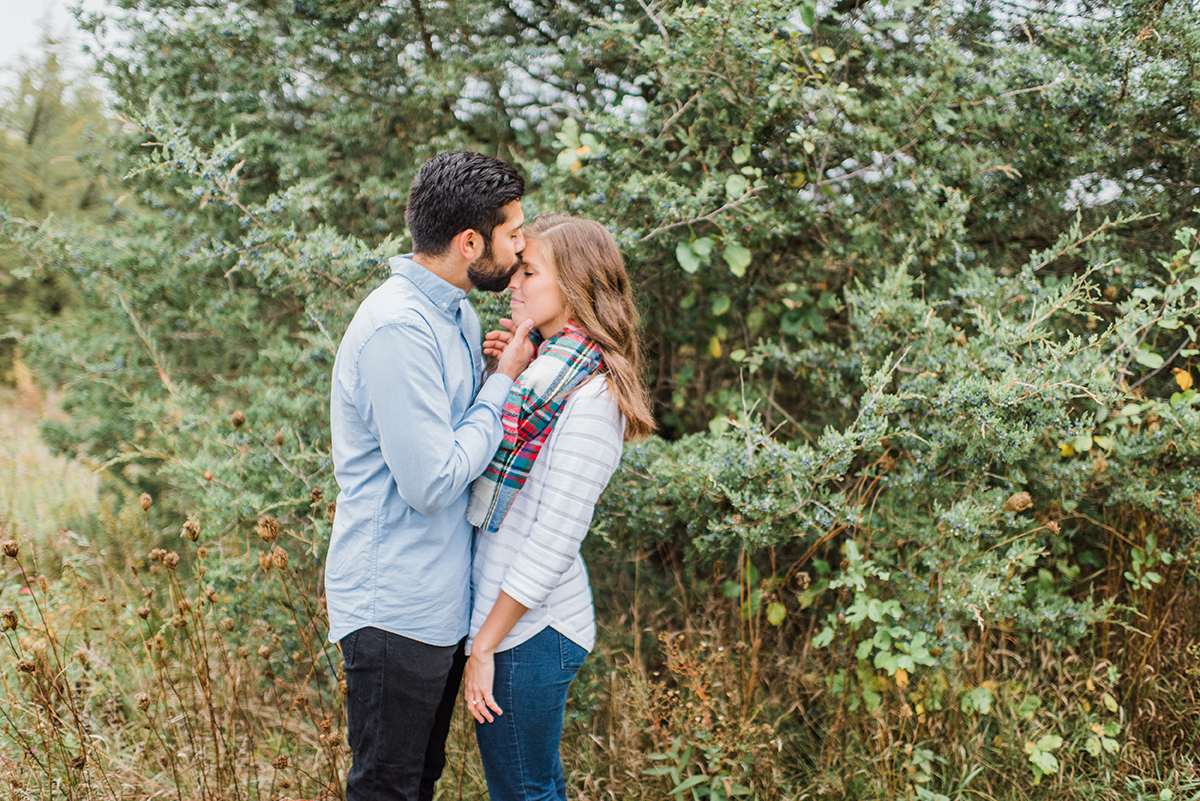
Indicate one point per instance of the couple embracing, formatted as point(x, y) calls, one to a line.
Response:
point(465, 496)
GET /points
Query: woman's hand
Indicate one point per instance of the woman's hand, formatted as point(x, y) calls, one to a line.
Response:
point(477, 681)
point(517, 351)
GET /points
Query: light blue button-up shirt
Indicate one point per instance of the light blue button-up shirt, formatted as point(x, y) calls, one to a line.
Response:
point(411, 430)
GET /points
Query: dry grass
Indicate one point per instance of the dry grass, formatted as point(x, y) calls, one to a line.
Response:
point(39, 492)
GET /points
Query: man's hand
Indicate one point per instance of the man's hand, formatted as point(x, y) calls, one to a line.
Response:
point(517, 351)
point(494, 342)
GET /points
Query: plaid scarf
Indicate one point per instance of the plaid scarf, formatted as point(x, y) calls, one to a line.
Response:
point(562, 363)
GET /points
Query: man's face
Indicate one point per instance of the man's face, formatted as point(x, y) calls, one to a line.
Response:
point(501, 256)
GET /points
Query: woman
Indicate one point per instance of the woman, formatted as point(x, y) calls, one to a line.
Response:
point(564, 424)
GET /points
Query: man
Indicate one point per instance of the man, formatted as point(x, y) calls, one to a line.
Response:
point(412, 428)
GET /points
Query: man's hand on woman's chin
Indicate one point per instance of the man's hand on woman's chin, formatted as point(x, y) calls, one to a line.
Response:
point(514, 350)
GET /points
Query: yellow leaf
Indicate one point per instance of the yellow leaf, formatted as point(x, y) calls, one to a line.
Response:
point(1183, 378)
point(714, 347)
point(1067, 449)
point(902, 678)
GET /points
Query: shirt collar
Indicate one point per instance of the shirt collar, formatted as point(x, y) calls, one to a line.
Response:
point(444, 295)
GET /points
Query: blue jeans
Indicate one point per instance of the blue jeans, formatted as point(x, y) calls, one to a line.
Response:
point(520, 748)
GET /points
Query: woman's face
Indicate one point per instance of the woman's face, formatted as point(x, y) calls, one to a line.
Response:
point(535, 293)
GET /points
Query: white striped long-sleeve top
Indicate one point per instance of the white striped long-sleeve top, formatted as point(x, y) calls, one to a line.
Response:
point(534, 556)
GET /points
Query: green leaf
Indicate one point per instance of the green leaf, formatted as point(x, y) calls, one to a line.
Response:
point(688, 784)
point(808, 15)
point(977, 700)
point(1149, 359)
point(703, 246)
point(1109, 702)
point(720, 305)
point(687, 257)
point(1083, 443)
point(738, 259)
point(736, 186)
point(731, 589)
point(1092, 746)
point(776, 614)
point(1049, 742)
point(741, 154)
point(823, 638)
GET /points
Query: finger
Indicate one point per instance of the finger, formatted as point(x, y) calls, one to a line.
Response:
point(523, 329)
point(507, 323)
point(489, 701)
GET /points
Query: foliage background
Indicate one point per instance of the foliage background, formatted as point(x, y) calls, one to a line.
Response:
point(920, 287)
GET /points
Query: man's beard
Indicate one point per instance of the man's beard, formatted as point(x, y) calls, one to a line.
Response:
point(485, 274)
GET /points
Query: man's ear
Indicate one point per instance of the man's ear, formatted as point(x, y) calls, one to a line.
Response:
point(469, 244)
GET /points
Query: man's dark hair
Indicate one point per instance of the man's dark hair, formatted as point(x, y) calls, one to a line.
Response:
point(456, 191)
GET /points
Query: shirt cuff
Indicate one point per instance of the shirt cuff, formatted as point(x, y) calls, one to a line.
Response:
point(495, 391)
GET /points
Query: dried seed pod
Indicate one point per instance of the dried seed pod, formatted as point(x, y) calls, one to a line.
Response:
point(8, 619)
point(1019, 502)
point(184, 605)
point(171, 560)
point(279, 558)
point(325, 725)
point(279, 438)
point(148, 592)
point(343, 686)
point(267, 528)
point(242, 652)
point(143, 612)
point(284, 784)
point(160, 642)
point(143, 701)
point(191, 529)
point(316, 496)
point(82, 656)
point(179, 622)
point(202, 552)
point(25, 666)
point(330, 510)
point(264, 561)
point(79, 762)
point(11, 548)
point(43, 584)
point(264, 651)
point(145, 501)
point(211, 595)
point(334, 739)
point(238, 418)
point(227, 624)
point(280, 762)
point(156, 555)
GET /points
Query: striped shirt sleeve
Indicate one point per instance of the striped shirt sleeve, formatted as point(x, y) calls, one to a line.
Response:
point(586, 451)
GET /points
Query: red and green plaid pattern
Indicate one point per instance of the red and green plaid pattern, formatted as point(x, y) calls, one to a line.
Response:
point(563, 362)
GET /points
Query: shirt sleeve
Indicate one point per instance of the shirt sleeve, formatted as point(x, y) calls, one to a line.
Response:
point(405, 404)
point(587, 442)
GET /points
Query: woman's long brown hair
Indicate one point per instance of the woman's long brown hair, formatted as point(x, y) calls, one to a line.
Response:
point(591, 274)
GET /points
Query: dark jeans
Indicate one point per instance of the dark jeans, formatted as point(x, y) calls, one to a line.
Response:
point(400, 695)
point(520, 748)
